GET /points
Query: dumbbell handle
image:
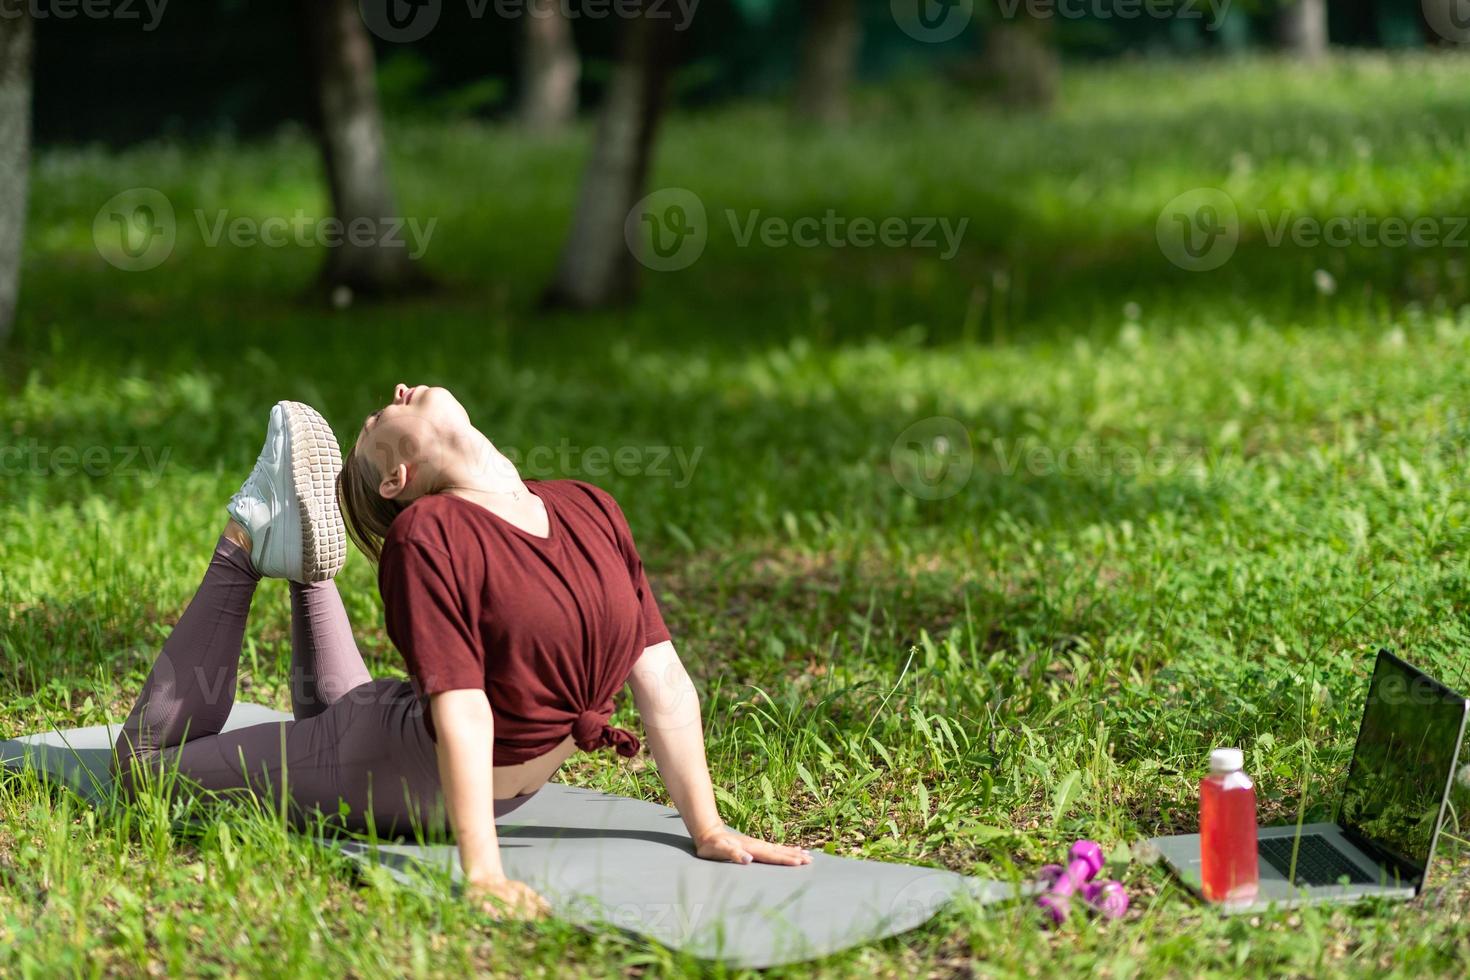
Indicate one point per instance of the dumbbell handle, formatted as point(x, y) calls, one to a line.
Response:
point(1107, 898)
point(1073, 877)
point(1086, 861)
point(1062, 882)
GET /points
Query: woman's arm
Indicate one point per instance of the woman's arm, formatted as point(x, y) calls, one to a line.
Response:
point(466, 729)
point(669, 705)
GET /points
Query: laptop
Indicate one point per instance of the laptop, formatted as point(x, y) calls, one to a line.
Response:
point(1388, 818)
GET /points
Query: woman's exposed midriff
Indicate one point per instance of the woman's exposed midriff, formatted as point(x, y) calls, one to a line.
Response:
point(528, 777)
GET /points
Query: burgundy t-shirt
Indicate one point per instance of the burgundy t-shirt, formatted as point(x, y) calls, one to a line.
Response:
point(548, 627)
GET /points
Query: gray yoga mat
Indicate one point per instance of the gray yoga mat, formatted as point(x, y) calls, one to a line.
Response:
point(604, 860)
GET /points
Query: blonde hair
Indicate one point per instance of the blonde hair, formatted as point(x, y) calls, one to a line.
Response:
point(367, 513)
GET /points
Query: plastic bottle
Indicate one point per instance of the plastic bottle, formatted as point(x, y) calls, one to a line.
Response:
point(1227, 831)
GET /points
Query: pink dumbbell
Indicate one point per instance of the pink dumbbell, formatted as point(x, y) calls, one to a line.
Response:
point(1086, 860)
point(1107, 898)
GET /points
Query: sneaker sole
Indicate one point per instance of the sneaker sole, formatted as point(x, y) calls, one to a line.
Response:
point(316, 460)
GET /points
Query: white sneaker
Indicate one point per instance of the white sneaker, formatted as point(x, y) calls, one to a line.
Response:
point(288, 503)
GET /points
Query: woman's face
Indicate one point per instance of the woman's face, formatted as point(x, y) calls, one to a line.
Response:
point(410, 439)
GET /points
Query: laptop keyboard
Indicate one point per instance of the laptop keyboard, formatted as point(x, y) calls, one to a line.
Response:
point(1317, 861)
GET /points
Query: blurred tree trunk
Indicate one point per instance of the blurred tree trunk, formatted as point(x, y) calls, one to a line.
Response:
point(1358, 21)
point(16, 43)
point(597, 268)
point(829, 53)
point(355, 153)
point(1301, 28)
point(1020, 62)
point(550, 68)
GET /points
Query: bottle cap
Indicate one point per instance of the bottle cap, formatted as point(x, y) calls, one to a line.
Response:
point(1227, 760)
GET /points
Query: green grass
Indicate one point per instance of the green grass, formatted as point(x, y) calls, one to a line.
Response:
point(1078, 630)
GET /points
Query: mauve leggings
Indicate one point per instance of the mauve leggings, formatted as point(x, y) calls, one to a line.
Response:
point(354, 740)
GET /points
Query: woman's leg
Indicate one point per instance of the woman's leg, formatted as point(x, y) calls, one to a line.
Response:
point(363, 746)
point(351, 763)
point(191, 688)
point(364, 763)
point(284, 524)
point(325, 663)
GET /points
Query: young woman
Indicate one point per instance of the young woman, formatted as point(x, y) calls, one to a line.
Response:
point(520, 609)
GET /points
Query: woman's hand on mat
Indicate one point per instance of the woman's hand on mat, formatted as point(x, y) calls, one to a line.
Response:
point(505, 898)
point(726, 845)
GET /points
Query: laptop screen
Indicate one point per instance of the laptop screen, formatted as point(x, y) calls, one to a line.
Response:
point(1403, 761)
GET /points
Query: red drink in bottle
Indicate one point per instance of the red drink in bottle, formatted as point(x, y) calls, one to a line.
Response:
point(1227, 830)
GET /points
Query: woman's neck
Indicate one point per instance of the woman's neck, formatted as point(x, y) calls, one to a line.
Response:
point(479, 467)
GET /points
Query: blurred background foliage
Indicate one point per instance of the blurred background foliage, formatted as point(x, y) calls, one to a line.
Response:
point(239, 66)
